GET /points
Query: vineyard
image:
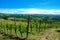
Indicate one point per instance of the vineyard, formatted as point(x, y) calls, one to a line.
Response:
point(27, 26)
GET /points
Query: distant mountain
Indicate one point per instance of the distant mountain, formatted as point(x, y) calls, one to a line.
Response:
point(32, 14)
point(43, 14)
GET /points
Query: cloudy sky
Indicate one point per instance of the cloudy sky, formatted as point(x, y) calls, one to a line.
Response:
point(30, 6)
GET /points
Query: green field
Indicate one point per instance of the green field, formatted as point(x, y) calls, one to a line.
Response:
point(29, 26)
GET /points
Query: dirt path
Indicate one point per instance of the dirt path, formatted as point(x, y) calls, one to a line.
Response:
point(4, 37)
point(50, 35)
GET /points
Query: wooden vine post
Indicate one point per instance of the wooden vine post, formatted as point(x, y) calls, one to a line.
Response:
point(15, 25)
point(28, 22)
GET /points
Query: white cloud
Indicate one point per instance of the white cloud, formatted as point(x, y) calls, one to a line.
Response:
point(7, 10)
point(29, 11)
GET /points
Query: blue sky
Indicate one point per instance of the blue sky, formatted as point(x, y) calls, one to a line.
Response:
point(13, 5)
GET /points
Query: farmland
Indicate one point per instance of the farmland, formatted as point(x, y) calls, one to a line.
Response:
point(29, 26)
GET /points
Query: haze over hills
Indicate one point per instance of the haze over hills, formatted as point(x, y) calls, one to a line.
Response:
point(32, 14)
